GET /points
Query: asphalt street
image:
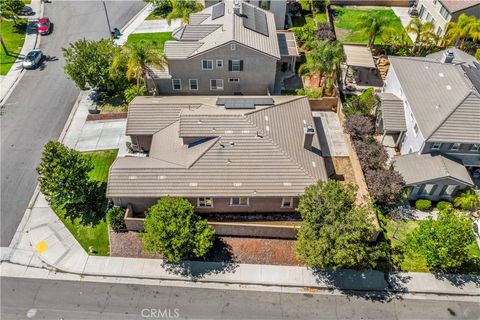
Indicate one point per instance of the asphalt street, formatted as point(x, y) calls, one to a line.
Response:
point(54, 299)
point(39, 106)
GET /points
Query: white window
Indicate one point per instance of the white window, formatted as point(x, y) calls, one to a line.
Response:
point(444, 13)
point(239, 201)
point(287, 202)
point(427, 189)
point(415, 129)
point(429, 16)
point(436, 146)
point(455, 146)
point(236, 65)
point(216, 84)
point(411, 116)
point(234, 80)
point(421, 11)
point(205, 202)
point(177, 84)
point(475, 147)
point(207, 64)
point(233, 46)
point(448, 190)
point(434, 2)
point(439, 31)
point(220, 63)
point(193, 83)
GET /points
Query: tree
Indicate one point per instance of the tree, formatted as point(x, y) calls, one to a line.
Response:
point(305, 35)
point(477, 55)
point(467, 200)
point(443, 242)
point(334, 232)
point(88, 62)
point(374, 24)
point(315, 5)
point(424, 33)
point(384, 185)
point(372, 155)
point(359, 126)
point(63, 178)
point(465, 28)
point(364, 104)
point(10, 8)
point(174, 230)
point(181, 9)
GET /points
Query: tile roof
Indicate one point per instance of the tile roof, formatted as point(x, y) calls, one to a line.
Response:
point(246, 152)
point(393, 113)
point(458, 5)
point(421, 168)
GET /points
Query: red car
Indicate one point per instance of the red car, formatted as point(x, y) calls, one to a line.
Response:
point(44, 26)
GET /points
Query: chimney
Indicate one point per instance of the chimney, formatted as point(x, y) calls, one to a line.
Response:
point(308, 133)
point(237, 8)
point(448, 56)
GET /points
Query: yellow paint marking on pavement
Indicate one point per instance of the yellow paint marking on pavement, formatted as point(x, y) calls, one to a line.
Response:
point(41, 247)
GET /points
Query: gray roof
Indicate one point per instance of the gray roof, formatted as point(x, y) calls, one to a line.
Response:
point(421, 168)
point(287, 44)
point(256, 31)
point(436, 92)
point(358, 56)
point(393, 113)
point(460, 56)
point(244, 152)
point(458, 5)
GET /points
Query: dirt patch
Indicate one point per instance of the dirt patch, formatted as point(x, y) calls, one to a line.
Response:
point(343, 169)
point(107, 116)
point(225, 249)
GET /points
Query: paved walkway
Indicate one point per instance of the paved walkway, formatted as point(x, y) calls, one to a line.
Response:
point(32, 41)
point(330, 132)
point(161, 25)
point(402, 14)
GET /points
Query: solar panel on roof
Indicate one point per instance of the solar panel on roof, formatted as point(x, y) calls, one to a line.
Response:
point(244, 103)
point(255, 20)
point(218, 10)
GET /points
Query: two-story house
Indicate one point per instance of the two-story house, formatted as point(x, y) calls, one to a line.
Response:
point(246, 155)
point(441, 12)
point(431, 108)
point(230, 48)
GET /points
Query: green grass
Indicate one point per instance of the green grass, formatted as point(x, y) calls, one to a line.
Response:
point(303, 19)
point(102, 160)
point(158, 38)
point(13, 37)
point(347, 21)
point(96, 234)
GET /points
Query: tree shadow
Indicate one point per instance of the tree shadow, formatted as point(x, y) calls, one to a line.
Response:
point(369, 284)
point(459, 280)
point(218, 260)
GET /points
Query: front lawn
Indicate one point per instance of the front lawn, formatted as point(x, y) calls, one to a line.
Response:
point(158, 38)
point(93, 235)
point(13, 37)
point(347, 21)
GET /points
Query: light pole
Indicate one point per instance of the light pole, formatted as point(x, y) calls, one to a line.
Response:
point(106, 15)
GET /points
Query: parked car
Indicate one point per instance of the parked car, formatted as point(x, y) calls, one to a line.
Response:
point(44, 26)
point(26, 11)
point(32, 59)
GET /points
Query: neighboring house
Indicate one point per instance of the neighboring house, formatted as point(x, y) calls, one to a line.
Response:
point(441, 12)
point(226, 49)
point(432, 105)
point(277, 7)
point(224, 154)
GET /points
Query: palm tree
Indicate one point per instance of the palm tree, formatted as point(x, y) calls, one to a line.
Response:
point(324, 59)
point(424, 33)
point(374, 25)
point(466, 27)
point(136, 58)
point(181, 9)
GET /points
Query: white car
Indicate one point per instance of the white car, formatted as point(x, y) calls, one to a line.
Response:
point(32, 59)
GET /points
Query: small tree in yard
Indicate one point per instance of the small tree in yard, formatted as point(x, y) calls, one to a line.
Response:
point(174, 230)
point(9, 9)
point(372, 155)
point(63, 179)
point(359, 126)
point(385, 186)
point(467, 200)
point(443, 242)
point(334, 233)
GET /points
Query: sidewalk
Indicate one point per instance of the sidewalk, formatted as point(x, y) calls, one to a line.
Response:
point(402, 14)
point(32, 40)
point(134, 24)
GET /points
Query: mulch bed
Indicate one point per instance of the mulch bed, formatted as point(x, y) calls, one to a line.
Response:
point(226, 249)
point(107, 116)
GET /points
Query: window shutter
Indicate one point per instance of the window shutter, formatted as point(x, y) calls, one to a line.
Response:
point(229, 65)
point(241, 65)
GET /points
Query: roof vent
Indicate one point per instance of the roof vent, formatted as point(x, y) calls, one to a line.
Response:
point(237, 8)
point(449, 87)
point(441, 75)
point(308, 133)
point(448, 56)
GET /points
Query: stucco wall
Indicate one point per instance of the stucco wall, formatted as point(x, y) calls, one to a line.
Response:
point(257, 77)
point(434, 10)
point(142, 141)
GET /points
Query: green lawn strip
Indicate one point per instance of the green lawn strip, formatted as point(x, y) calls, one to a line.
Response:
point(13, 37)
point(158, 38)
point(347, 20)
point(101, 160)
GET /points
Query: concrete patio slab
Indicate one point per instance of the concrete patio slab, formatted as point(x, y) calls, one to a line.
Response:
point(330, 133)
point(160, 25)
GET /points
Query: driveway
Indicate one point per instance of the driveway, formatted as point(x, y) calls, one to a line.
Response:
point(39, 106)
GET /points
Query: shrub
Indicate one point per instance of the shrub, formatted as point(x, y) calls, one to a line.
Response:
point(443, 205)
point(359, 126)
point(467, 200)
point(385, 186)
point(163, 8)
point(310, 93)
point(324, 32)
point(363, 104)
point(115, 219)
point(372, 155)
point(423, 204)
point(133, 91)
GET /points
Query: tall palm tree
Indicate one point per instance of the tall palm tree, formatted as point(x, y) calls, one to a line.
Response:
point(466, 27)
point(181, 9)
point(136, 58)
point(374, 24)
point(424, 33)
